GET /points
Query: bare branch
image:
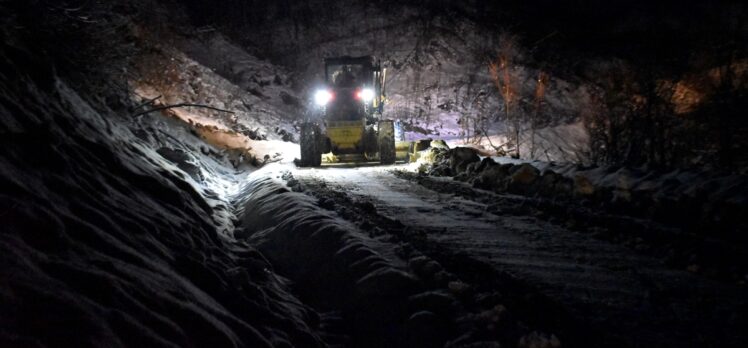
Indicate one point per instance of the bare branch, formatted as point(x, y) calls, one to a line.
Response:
point(180, 106)
point(147, 102)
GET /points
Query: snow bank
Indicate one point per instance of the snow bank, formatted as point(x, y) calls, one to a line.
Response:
point(332, 263)
point(697, 200)
point(106, 242)
point(312, 244)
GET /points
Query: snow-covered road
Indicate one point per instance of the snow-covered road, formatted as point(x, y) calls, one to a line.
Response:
point(631, 298)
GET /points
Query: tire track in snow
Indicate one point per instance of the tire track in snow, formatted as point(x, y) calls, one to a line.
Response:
point(634, 297)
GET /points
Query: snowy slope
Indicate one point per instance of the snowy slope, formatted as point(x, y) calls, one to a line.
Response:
point(438, 78)
point(260, 106)
point(107, 242)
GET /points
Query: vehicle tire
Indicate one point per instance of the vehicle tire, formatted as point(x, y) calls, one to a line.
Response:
point(311, 154)
point(369, 143)
point(386, 140)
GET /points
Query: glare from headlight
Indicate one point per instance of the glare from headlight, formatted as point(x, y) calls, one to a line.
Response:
point(322, 97)
point(367, 94)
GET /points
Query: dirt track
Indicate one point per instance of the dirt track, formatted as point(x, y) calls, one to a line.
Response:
point(588, 290)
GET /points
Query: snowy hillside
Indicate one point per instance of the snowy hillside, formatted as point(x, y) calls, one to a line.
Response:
point(258, 109)
point(577, 178)
point(439, 82)
point(111, 240)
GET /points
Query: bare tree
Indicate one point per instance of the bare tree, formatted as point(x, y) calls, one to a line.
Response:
point(540, 87)
point(503, 75)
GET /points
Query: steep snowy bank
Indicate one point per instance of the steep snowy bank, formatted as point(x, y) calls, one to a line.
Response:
point(104, 242)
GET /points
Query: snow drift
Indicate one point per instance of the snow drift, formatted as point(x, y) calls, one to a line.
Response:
point(334, 265)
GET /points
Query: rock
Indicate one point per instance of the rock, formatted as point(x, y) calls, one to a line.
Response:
point(387, 281)
point(461, 177)
point(292, 182)
point(490, 177)
point(420, 145)
point(430, 156)
point(477, 182)
point(524, 174)
point(564, 186)
point(460, 157)
point(439, 144)
point(547, 182)
point(441, 170)
point(285, 135)
point(485, 163)
point(326, 203)
point(471, 168)
point(583, 186)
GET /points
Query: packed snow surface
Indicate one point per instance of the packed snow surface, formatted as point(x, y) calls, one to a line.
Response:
point(611, 286)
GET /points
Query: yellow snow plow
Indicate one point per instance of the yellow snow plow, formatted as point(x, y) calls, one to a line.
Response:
point(349, 126)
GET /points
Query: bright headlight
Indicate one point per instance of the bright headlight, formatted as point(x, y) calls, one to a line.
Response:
point(322, 97)
point(367, 94)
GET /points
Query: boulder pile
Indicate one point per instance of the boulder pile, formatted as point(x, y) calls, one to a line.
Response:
point(685, 198)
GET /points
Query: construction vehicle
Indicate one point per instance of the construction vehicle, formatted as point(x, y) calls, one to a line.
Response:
point(349, 125)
